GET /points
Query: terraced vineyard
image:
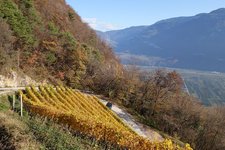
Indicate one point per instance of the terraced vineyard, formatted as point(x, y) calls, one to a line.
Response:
point(87, 115)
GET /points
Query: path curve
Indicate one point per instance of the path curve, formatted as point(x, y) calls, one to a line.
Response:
point(141, 129)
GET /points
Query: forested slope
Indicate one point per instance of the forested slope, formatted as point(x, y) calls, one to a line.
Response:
point(47, 40)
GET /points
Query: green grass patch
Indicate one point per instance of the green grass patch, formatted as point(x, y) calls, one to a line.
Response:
point(54, 136)
point(4, 103)
point(3, 107)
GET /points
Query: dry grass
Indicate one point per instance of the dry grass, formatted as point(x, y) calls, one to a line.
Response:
point(34, 133)
point(18, 132)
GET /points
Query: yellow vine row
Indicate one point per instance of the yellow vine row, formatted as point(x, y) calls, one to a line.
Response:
point(87, 115)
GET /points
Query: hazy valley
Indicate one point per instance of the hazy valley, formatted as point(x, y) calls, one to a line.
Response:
point(195, 42)
point(207, 86)
point(190, 43)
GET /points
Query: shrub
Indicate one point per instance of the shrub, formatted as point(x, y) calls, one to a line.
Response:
point(18, 22)
point(51, 58)
point(70, 42)
point(53, 29)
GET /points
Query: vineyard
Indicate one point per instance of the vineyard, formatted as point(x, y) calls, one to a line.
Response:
point(85, 114)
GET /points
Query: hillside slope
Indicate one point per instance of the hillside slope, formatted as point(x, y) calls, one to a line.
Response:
point(195, 42)
point(34, 132)
point(48, 40)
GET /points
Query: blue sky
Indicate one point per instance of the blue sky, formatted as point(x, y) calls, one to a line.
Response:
point(107, 15)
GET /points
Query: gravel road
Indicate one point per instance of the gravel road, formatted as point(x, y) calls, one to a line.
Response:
point(141, 129)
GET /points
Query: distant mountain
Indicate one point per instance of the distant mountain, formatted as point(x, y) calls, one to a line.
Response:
point(196, 42)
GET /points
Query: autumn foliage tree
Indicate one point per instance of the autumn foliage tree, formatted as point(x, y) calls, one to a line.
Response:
point(157, 88)
point(211, 133)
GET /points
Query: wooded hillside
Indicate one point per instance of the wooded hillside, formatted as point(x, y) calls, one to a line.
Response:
point(47, 40)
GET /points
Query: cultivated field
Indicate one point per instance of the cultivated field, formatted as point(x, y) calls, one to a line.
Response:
point(86, 115)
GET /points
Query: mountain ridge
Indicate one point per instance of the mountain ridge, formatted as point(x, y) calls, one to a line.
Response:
point(176, 40)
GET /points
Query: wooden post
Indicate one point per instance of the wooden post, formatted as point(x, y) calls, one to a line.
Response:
point(13, 103)
point(18, 59)
point(21, 105)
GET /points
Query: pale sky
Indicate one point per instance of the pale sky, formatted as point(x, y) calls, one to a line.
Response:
point(107, 15)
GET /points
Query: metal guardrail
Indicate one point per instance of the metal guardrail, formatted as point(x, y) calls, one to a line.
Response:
point(13, 88)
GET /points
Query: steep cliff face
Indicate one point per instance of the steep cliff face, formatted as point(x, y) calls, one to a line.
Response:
point(47, 40)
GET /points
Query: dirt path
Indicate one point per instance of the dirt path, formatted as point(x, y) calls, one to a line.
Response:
point(141, 129)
